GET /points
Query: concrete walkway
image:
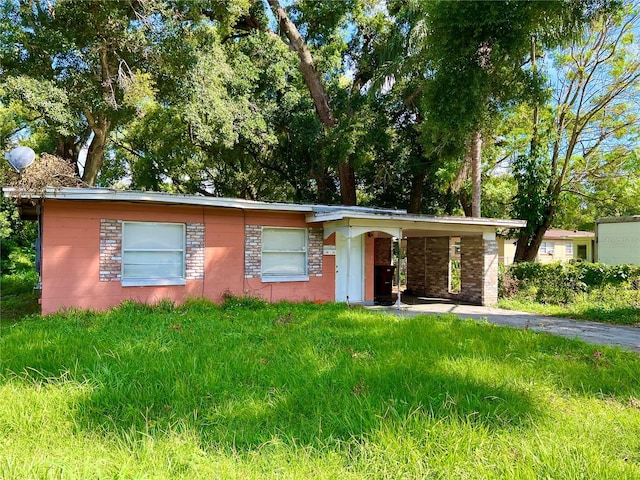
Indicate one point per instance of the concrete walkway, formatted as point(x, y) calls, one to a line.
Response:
point(592, 332)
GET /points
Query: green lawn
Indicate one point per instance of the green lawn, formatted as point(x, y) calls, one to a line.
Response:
point(248, 390)
point(607, 305)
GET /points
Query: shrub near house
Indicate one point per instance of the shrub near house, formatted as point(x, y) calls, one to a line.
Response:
point(591, 291)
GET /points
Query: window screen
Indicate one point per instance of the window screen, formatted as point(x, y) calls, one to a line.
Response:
point(153, 253)
point(284, 252)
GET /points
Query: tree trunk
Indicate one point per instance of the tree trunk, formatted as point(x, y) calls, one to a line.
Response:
point(476, 173)
point(417, 188)
point(456, 188)
point(528, 245)
point(68, 149)
point(95, 153)
point(347, 184)
point(318, 93)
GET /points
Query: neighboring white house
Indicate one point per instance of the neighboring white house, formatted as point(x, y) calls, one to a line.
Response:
point(556, 246)
point(618, 240)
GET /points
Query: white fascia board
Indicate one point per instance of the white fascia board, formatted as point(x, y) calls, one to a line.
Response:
point(409, 221)
point(96, 194)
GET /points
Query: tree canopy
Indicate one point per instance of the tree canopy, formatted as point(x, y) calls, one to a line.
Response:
point(372, 102)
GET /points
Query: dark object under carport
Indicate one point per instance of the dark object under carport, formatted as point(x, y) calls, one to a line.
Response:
point(383, 284)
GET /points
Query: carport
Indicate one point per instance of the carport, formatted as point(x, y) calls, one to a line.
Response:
point(426, 242)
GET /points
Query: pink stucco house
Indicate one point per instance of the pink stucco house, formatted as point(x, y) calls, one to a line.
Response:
point(99, 247)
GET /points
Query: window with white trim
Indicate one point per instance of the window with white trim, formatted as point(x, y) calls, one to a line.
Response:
point(568, 249)
point(284, 254)
point(546, 248)
point(153, 253)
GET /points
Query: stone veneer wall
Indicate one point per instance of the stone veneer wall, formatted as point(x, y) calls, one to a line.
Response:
point(382, 251)
point(479, 270)
point(111, 250)
point(253, 251)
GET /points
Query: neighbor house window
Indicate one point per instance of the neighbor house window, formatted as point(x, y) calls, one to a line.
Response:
point(153, 253)
point(568, 249)
point(284, 254)
point(546, 248)
point(582, 252)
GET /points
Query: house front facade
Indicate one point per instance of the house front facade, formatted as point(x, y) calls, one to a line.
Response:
point(100, 247)
point(557, 246)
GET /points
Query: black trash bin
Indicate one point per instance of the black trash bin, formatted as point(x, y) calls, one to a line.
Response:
point(383, 283)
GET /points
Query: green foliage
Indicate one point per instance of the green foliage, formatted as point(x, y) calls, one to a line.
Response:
point(592, 291)
point(18, 299)
point(200, 390)
point(16, 238)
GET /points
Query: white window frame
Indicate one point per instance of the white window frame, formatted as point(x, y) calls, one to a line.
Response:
point(568, 249)
point(270, 277)
point(154, 281)
point(547, 248)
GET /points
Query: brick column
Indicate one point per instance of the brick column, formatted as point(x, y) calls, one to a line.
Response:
point(437, 267)
point(416, 266)
point(428, 266)
point(479, 270)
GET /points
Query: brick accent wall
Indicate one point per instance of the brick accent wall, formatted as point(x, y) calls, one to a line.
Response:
point(110, 250)
point(490, 293)
point(416, 265)
point(314, 247)
point(428, 266)
point(194, 256)
point(437, 267)
point(252, 251)
point(479, 270)
point(382, 251)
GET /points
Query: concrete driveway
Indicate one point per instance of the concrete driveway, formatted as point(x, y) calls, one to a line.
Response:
point(592, 332)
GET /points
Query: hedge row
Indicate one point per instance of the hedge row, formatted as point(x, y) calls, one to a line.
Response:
point(560, 282)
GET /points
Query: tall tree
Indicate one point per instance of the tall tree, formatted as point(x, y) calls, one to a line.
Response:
point(99, 53)
point(588, 131)
point(469, 60)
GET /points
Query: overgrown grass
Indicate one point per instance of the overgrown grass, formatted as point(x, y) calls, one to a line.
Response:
point(609, 304)
point(17, 295)
point(250, 390)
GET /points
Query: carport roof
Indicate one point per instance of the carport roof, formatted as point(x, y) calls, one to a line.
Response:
point(341, 214)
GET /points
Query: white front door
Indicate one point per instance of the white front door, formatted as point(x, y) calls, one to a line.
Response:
point(349, 280)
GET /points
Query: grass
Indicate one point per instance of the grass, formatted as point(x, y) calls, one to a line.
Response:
point(250, 390)
point(17, 295)
point(608, 304)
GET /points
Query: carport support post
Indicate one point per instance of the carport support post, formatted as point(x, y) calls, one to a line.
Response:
point(348, 263)
point(399, 300)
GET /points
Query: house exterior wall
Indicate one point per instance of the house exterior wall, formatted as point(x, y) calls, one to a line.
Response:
point(619, 243)
point(507, 250)
point(215, 256)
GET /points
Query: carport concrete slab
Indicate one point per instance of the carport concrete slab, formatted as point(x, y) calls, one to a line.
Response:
point(597, 333)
